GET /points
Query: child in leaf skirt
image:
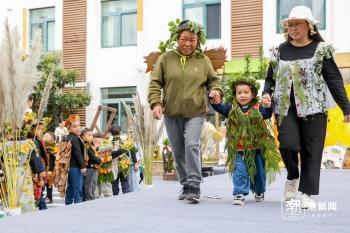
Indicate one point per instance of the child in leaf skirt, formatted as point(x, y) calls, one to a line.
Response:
point(252, 152)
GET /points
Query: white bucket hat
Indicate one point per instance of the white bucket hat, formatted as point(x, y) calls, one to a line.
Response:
point(301, 12)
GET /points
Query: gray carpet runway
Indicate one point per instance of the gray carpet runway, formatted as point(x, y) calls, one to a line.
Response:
point(157, 209)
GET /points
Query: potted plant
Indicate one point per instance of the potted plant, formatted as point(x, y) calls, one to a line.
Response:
point(168, 161)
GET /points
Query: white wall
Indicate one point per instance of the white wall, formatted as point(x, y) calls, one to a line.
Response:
point(124, 66)
point(341, 33)
point(107, 67)
point(336, 32)
point(14, 11)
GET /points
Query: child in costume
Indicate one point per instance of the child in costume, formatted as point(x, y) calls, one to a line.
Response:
point(91, 177)
point(252, 152)
point(77, 166)
point(104, 148)
point(61, 131)
point(51, 149)
point(37, 164)
point(126, 158)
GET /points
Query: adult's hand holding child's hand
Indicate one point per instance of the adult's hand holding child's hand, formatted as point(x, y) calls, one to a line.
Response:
point(266, 101)
point(215, 97)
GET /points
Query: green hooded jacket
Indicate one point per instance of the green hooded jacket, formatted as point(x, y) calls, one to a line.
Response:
point(184, 83)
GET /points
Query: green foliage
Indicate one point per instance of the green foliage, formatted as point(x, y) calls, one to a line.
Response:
point(298, 84)
point(285, 98)
point(106, 178)
point(228, 79)
point(247, 132)
point(60, 103)
point(325, 52)
point(166, 142)
point(72, 100)
point(175, 29)
point(247, 68)
point(262, 65)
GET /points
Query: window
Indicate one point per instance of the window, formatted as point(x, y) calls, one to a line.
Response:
point(118, 23)
point(318, 8)
point(43, 21)
point(206, 13)
point(113, 97)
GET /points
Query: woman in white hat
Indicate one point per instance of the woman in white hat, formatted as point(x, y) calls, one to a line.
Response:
point(301, 72)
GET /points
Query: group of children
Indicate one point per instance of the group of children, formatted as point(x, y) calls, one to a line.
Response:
point(94, 166)
point(89, 153)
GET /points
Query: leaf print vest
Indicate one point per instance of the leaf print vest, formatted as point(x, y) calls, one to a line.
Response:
point(304, 77)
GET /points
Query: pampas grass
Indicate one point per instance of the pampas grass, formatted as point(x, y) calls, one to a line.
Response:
point(45, 97)
point(18, 76)
point(146, 132)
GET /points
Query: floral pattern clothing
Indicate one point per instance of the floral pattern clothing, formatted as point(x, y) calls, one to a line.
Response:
point(303, 77)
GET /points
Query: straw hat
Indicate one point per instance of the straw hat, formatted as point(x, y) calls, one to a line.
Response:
point(301, 12)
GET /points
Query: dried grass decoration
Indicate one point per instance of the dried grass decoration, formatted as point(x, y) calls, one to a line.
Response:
point(15, 165)
point(105, 171)
point(18, 76)
point(147, 132)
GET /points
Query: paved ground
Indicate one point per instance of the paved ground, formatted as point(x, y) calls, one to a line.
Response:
point(157, 209)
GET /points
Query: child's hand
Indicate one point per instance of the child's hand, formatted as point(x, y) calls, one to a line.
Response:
point(215, 97)
point(83, 171)
point(137, 165)
point(266, 101)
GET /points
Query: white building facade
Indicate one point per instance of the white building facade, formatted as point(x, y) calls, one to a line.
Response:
point(120, 33)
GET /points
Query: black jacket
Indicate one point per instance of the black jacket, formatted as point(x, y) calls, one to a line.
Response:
point(78, 151)
point(93, 159)
point(35, 162)
point(119, 152)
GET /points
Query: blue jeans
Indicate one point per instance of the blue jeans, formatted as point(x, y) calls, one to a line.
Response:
point(75, 186)
point(241, 181)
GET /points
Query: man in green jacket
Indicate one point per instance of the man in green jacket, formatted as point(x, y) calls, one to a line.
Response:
point(184, 77)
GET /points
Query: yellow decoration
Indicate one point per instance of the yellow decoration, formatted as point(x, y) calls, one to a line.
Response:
point(128, 145)
point(338, 132)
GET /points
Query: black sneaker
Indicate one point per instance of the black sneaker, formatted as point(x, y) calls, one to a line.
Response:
point(194, 194)
point(184, 193)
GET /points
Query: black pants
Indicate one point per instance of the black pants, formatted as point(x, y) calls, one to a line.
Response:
point(305, 136)
point(124, 183)
point(48, 192)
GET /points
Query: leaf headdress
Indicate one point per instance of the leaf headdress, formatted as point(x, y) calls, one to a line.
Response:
point(176, 28)
point(251, 82)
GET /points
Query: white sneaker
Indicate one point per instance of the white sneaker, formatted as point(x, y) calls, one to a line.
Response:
point(238, 200)
point(290, 189)
point(307, 202)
